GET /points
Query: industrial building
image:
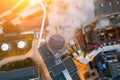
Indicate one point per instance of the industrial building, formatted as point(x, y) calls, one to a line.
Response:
point(59, 69)
point(28, 73)
point(96, 45)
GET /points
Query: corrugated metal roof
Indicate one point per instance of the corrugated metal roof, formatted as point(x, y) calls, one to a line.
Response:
point(20, 74)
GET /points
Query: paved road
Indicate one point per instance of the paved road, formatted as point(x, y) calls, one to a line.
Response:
point(35, 55)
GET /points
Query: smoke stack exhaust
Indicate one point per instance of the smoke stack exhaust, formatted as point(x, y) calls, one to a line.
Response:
point(66, 16)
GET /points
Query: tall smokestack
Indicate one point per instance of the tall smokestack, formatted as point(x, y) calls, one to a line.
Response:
point(56, 44)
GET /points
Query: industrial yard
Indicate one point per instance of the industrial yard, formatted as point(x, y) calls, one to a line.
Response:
point(60, 40)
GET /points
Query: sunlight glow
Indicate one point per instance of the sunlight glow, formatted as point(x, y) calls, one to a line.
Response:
point(34, 2)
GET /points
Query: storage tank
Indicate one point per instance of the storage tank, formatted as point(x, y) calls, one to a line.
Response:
point(56, 44)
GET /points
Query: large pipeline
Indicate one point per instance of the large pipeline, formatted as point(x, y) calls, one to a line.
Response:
point(90, 56)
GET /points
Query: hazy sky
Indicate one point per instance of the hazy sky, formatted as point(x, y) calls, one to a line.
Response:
point(6, 4)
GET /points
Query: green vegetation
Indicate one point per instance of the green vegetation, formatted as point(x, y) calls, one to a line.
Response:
point(17, 64)
point(86, 75)
point(12, 40)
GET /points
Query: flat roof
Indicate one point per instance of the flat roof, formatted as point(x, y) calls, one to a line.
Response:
point(20, 74)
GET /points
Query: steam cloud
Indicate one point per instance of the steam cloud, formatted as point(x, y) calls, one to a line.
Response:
point(66, 16)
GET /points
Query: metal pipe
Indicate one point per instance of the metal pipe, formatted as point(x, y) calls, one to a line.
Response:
point(43, 22)
point(91, 55)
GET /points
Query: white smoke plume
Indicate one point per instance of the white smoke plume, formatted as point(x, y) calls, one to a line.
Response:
point(66, 16)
